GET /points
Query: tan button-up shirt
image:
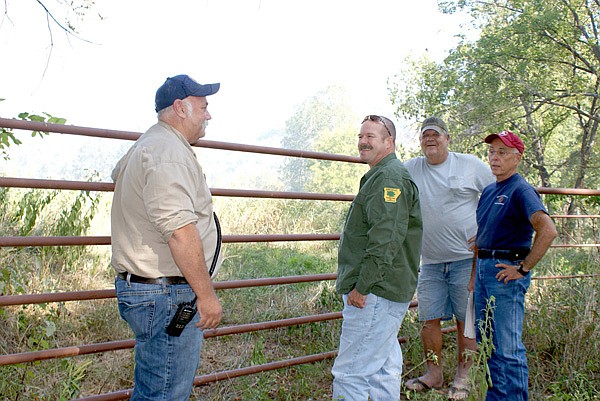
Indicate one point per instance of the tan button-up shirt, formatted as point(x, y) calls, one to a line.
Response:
point(159, 188)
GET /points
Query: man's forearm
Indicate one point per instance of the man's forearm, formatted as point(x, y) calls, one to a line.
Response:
point(188, 252)
point(545, 233)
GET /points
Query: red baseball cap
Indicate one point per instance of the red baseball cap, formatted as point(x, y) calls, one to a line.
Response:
point(509, 139)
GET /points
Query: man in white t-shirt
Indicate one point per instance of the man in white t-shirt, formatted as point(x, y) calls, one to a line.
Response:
point(449, 187)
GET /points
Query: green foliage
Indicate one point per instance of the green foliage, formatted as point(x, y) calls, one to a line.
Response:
point(244, 261)
point(532, 70)
point(75, 373)
point(34, 213)
point(31, 270)
point(336, 177)
point(6, 137)
point(29, 209)
point(562, 356)
point(479, 373)
point(326, 110)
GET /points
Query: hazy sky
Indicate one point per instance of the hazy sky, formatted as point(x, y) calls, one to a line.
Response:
point(268, 55)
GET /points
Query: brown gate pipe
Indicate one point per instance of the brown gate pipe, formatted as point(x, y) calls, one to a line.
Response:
point(12, 182)
point(225, 375)
point(32, 356)
point(108, 186)
point(203, 143)
point(17, 241)
point(105, 240)
point(23, 299)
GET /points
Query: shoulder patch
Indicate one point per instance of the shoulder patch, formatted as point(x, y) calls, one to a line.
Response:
point(390, 195)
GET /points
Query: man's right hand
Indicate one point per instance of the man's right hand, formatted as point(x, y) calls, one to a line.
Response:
point(210, 312)
point(357, 299)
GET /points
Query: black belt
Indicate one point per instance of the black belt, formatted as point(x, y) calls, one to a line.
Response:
point(159, 280)
point(512, 255)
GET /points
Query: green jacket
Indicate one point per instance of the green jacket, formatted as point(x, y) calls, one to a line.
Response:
point(381, 243)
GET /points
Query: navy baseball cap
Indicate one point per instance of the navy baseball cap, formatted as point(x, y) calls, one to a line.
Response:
point(180, 87)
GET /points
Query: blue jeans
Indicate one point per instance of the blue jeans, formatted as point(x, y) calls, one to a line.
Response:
point(369, 360)
point(165, 365)
point(508, 362)
point(443, 290)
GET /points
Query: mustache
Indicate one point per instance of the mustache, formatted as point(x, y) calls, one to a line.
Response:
point(365, 147)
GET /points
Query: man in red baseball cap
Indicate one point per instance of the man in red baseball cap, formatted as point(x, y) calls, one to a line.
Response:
point(509, 212)
point(509, 139)
point(502, 145)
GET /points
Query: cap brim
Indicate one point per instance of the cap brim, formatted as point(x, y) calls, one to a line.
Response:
point(436, 128)
point(206, 90)
point(491, 137)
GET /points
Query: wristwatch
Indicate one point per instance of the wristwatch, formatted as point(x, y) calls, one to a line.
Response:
point(521, 271)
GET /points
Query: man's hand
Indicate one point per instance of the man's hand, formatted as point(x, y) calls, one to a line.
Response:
point(508, 273)
point(210, 312)
point(356, 299)
point(471, 243)
point(471, 285)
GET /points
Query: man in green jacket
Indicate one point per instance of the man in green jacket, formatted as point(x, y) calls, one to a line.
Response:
point(378, 260)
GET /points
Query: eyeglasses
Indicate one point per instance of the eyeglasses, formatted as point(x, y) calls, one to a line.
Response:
point(502, 152)
point(377, 119)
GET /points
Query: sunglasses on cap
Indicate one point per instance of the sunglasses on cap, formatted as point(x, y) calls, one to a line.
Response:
point(377, 119)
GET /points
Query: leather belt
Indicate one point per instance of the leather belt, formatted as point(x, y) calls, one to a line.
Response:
point(159, 280)
point(512, 255)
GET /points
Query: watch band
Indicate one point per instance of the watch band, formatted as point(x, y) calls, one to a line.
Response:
point(521, 271)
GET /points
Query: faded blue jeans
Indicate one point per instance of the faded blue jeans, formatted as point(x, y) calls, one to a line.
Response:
point(165, 366)
point(369, 360)
point(443, 290)
point(508, 362)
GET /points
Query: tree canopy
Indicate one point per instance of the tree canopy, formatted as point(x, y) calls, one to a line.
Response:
point(319, 115)
point(534, 70)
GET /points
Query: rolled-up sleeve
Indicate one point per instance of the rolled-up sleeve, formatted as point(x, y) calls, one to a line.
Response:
point(168, 195)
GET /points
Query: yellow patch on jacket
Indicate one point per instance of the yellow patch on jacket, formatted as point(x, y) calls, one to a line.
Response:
point(390, 195)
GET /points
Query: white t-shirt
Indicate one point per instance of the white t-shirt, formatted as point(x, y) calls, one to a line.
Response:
point(449, 193)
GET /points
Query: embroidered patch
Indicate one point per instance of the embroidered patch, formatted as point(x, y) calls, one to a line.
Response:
point(501, 200)
point(390, 195)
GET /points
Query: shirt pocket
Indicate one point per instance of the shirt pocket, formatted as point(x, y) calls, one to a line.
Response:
point(356, 226)
point(456, 182)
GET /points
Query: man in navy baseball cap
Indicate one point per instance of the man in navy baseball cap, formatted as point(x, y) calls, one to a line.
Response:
point(166, 243)
point(180, 87)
